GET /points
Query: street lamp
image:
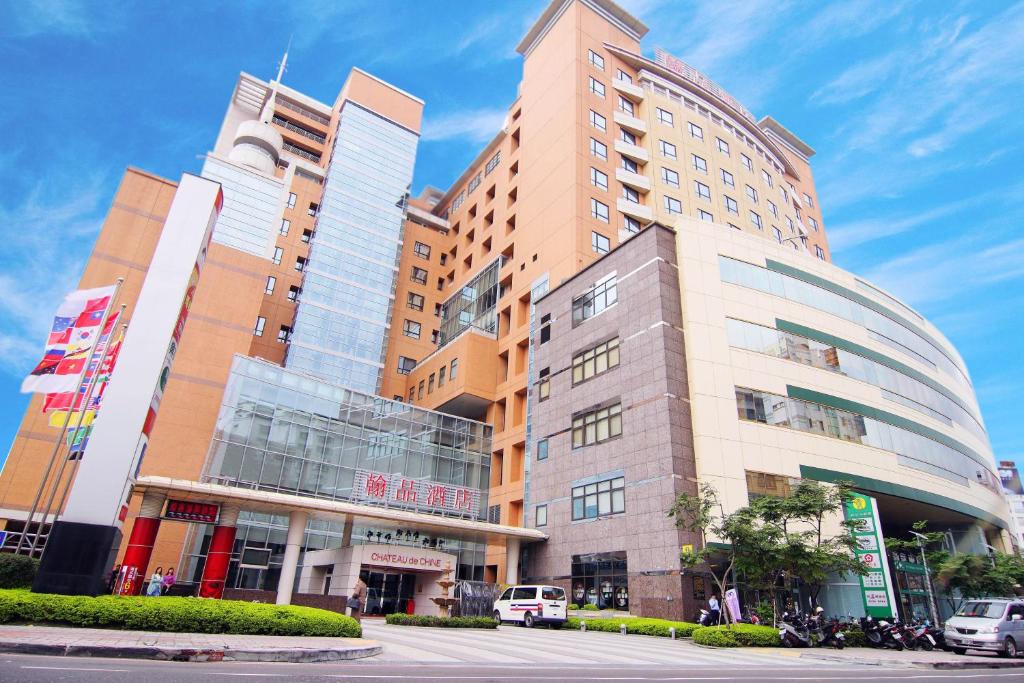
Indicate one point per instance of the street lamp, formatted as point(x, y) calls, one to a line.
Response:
point(927, 578)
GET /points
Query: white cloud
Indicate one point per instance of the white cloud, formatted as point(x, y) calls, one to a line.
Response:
point(73, 18)
point(858, 80)
point(475, 125)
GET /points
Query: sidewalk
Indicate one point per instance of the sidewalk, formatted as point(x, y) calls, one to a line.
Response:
point(180, 647)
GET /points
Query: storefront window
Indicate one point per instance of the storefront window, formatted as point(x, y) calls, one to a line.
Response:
point(601, 579)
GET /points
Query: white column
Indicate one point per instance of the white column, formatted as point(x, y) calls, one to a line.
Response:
point(512, 560)
point(296, 533)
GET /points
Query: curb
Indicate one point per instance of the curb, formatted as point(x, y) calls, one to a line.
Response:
point(942, 666)
point(176, 654)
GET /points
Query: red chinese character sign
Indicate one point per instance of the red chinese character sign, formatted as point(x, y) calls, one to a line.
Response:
point(395, 490)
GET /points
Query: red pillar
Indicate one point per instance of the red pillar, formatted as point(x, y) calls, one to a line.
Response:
point(217, 560)
point(139, 550)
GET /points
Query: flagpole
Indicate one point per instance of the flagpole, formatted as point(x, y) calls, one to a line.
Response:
point(74, 465)
point(78, 426)
point(60, 437)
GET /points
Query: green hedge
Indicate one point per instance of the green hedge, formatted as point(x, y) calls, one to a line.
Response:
point(573, 605)
point(635, 625)
point(855, 638)
point(591, 607)
point(740, 635)
point(17, 571)
point(442, 622)
point(190, 615)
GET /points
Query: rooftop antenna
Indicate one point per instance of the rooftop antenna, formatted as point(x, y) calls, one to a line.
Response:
point(268, 107)
point(283, 65)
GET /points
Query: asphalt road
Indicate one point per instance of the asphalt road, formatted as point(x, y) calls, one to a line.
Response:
point(36, 669)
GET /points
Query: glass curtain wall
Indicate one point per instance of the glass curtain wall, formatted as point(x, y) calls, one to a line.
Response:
point(475, 305)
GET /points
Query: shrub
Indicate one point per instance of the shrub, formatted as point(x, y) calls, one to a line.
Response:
point(442, 622)
point(855, 637)
point(635, 625)
point(191, 615)
point(590, 607)
point(739, 635)
point(573, 605)
point(765, 612)
point(17, 571)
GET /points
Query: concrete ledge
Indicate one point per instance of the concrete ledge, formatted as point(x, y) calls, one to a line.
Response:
point(177, 654)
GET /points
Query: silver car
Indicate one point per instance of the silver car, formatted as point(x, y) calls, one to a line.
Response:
point(991, 624)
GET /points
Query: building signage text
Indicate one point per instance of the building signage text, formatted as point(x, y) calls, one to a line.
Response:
point(397, 491)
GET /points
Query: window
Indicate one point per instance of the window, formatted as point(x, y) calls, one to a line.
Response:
point(767, 178)
point(670, 177)
point(307, 235)
point(542, 515)
point(596, 87)
point(730, 205)
point(594, 301)
point(475, 182)
point(623, 76)
point(544, 385)
point(271, 282)
point(598, 121)
point(705, 216)
point(278, 255)
point(419, 275)
point(598, 149)
point(415, 301)
point(405, 366)
point(789, 224)
point(411, 329)
point(437, 309)
point(282, 334)
point(261, 323)
point(599, 210)
point(673, 205)
point(696, 131)
point(699, 163)
point(665, 117)
point(778, 235)
point(419, 389)
point(598, 178)
point(596, 60)
point(300, 264)
point(630, 224)
point(627, 137)
point(293, 293)
point(723, 146)
point(444, 259)
point(596, 500)
point(599, 243)
point(412, 394)
point(313, 208)
point(545, 328)
point(747, 163)
point(785, 195)
point(292, 197)
point(626, 106)
point(808, 201)
point(630, 195)
point(668, 150)
point(285, 226)
point(430, 384)
point(597, 426)
point(591, 362)
point(453, 368)
point(494, 516)
point(703, 191)
point(542, 449)
point(752, 193)
point(421, 250)
point(630, 165)
point(727, 179)
point(799, 215)
point(772, 209)
point(755, 219)
point(440, 376)
point(814, 224)
point(819, 252)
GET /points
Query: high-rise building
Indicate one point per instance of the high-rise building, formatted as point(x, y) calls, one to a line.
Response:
point(627, 292)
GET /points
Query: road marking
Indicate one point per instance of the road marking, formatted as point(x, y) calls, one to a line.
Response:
point(71, 668)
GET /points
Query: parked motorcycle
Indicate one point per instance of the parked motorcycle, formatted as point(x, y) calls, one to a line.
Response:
point(705, 618)
point(793, 631)
point(881, 633)
point(828, 632)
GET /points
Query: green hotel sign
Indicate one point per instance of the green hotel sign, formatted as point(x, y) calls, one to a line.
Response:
point(876, 585)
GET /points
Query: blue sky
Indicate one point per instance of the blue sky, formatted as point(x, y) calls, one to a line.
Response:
point(914, 109)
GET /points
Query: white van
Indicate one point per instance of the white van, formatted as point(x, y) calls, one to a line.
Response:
point(529, 605)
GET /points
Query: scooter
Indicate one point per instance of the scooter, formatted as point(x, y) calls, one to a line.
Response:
point(880, 633)
point(705, 618)
point(828, 632)
point(793, 632)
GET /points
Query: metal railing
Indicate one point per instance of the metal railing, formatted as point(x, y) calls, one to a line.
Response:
point(301, 152)
point(299, 129)
point(305, 112)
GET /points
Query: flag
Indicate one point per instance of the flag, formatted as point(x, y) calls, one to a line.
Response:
point(73, 331)
point(72, 400)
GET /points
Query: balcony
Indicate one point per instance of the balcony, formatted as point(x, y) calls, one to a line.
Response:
point(641, 212)
point(634, 180)
point(630, 90)
point(475, 385)
point(630, 123)
point(637, 154)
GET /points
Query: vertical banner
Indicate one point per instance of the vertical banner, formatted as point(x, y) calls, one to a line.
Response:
point(876, 585)
point(732, 601)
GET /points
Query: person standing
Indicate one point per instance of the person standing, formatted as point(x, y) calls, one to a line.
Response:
point(169, 580)
point(156, 583)
point(357, 600)
point(715, 609)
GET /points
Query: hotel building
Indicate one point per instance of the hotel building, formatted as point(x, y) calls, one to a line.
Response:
point(627, 292)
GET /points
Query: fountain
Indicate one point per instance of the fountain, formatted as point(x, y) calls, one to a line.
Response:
point(444, 603)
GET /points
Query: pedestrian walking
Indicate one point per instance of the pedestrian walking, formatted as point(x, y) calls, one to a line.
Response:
point(156, 582)
point(357, 600)
point(714, 609)
point(169, 580)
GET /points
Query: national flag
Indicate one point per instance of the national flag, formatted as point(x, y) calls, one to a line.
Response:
point(73, 400)
point(80, 309)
